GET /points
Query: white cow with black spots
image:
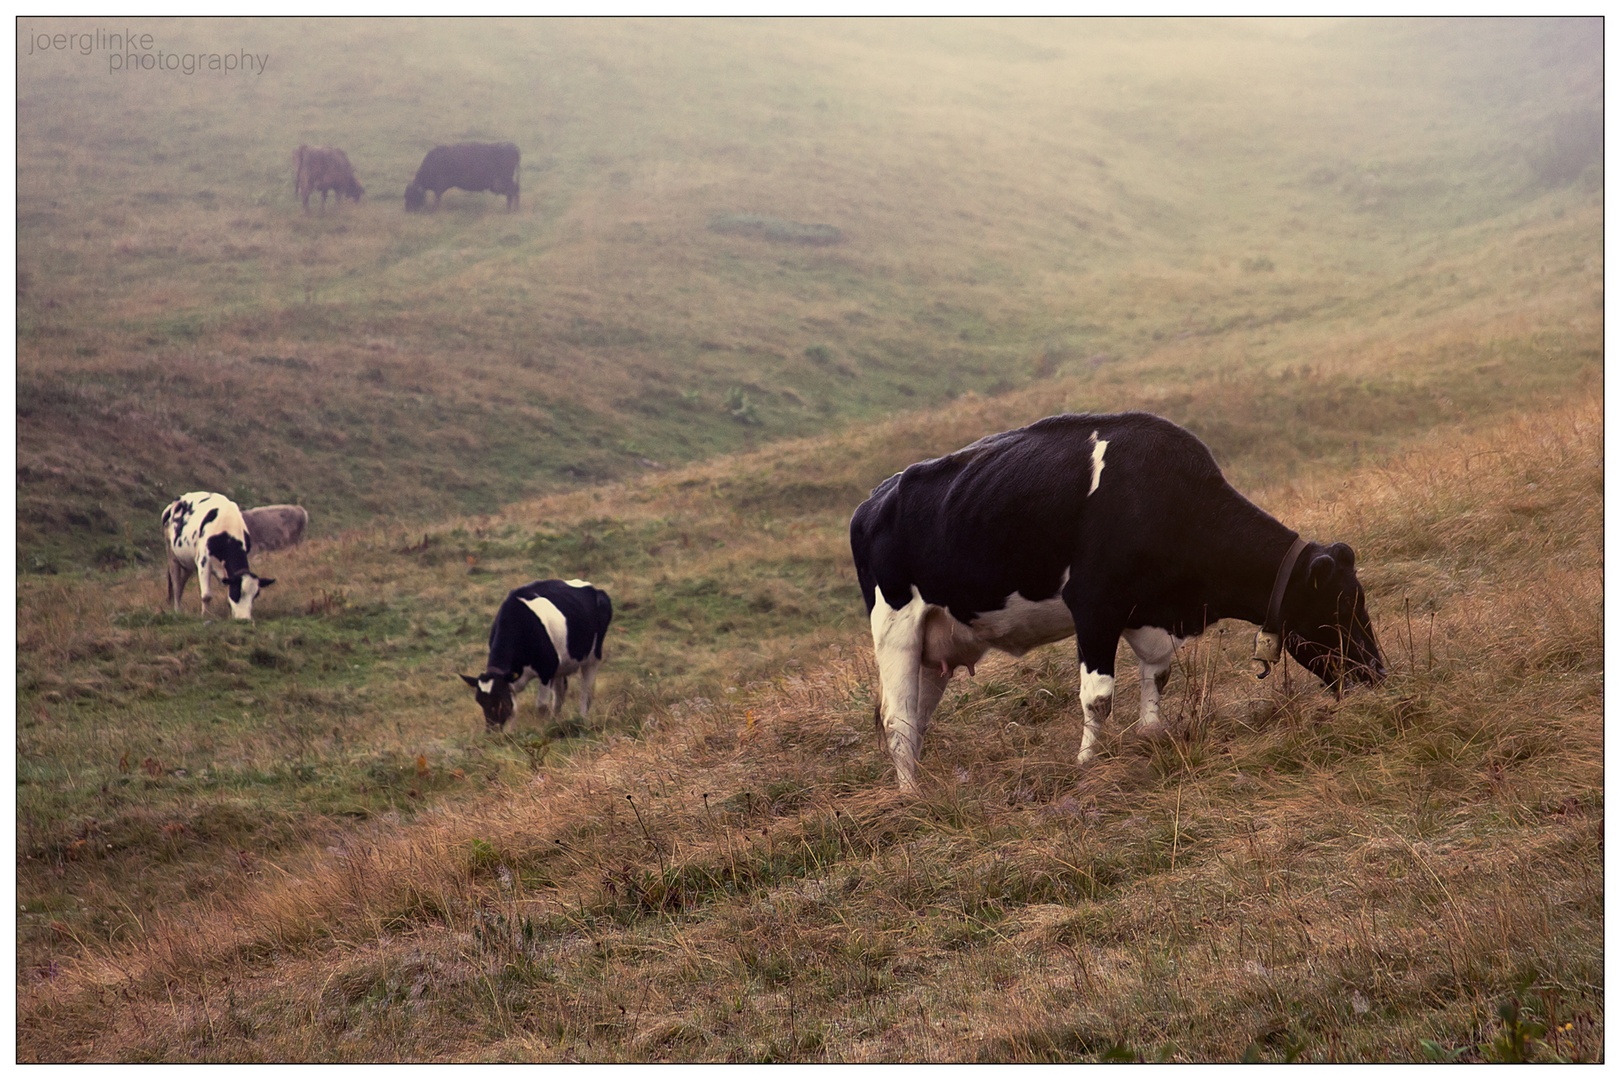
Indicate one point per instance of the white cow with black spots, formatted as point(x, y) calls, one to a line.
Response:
point(206, 535)
point(1099, 527)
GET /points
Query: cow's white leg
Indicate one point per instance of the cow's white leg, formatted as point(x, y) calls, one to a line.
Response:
point(587, 686)
point(897, 645)
point(1155, 651)
point(1096, 701)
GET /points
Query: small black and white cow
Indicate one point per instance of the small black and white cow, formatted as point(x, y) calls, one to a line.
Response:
point(547, 631)
point(1097, 527)
point(206, 535)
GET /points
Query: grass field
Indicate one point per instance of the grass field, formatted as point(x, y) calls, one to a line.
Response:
point(1363, 263)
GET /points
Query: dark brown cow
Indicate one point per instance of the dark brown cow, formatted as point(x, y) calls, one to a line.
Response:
point(325, 169)
point(468, 166)
point(275, 527)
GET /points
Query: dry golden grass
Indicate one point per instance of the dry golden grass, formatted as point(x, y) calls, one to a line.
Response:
point(1289, 875)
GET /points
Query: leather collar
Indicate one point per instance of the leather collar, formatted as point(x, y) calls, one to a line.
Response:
point(1268, 640)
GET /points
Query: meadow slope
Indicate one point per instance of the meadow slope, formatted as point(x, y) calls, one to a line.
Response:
point(1289, 876)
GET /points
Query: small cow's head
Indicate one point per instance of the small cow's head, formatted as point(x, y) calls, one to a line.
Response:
point(493, 690)
point(353, 189)
point(1328, 628)
point(241, 590)
point(414, 198)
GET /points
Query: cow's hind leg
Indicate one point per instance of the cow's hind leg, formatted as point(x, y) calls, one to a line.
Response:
point(1155, 651)
point(179, 574)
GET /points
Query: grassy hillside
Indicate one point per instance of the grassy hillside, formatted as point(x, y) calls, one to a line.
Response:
point(288, 842)
point(1364, 263)
point(1015, 201)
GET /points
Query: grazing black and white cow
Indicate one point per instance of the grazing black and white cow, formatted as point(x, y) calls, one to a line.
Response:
point(468, 166)
point(1097, 527)
point(547, 631)
point(206, 535)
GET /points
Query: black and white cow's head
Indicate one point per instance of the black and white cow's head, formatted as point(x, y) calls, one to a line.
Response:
point(493, 690)
point(230, 553)
point(1328, 630)
point(241, 590)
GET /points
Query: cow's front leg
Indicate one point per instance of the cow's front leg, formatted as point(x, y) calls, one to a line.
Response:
point(587, 686)
point(558, 687)
point(897, 647)
point(205, 581)
point(1096, 641)
point(1155, 651)
point(1096, 701)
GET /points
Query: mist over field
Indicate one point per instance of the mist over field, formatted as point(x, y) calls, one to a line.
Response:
point(1012, 201)
point(757, 266)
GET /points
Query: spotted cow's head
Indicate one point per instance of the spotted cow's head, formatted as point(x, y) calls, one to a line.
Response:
point(1327, 624)
point(493, 690)
point(414, 198)
point(241, 590)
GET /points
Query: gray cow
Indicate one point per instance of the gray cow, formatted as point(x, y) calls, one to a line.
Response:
point(274, 528)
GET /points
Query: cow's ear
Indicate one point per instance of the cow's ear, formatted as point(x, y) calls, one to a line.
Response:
point(266, 582)
point(1344, 555)
point(512, 676)
point(470, 680)
point(1322, 568)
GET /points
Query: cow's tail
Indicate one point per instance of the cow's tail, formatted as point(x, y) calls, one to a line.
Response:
point(604, 615)
point(298, 171)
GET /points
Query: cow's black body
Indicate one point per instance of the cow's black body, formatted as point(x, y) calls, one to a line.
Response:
point(470, 167)
point(1143, 537)
point(523, 647)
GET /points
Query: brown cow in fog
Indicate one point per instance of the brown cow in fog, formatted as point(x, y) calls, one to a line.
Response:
point(275, 527)
point(325, 169)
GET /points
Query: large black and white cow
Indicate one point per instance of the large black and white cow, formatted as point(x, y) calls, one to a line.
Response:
point(206, 535)
point(1097, 527)
point(468, 166)
point(545, 631)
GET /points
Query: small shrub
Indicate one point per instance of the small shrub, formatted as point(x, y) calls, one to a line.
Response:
point(740, 408)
